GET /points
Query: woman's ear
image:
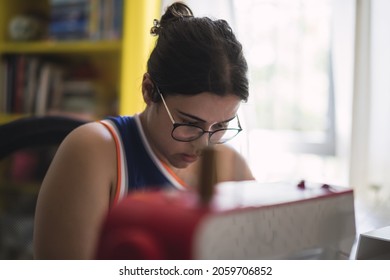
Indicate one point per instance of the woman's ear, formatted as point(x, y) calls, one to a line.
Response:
point(147, 89)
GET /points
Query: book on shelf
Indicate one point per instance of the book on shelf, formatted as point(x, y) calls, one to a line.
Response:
point(93, 22)
point(85, 19)
point(34, 85)
point(54, 94)
point(19, 84)
point(56, 87)
point(11, 74)
point(32, 74)
point(79, 96)
point(118, 19)
point(69, 19)
point(17, 90)
point(3, 85)
point(43, 89)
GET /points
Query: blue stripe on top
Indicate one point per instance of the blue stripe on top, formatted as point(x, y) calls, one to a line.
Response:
point(142, 171)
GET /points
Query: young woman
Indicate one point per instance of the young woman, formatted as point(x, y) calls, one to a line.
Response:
point(196, 79)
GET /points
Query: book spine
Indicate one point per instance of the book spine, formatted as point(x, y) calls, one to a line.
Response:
point(33, 65)
point(3, 85)
point(17, 106)
point(56, 89)
point(118, 19)
point(94, 15)
point(43, 90)
point(101, 18)
point(11, 74)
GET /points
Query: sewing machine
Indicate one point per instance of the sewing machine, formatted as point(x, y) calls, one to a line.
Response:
point(239, 220)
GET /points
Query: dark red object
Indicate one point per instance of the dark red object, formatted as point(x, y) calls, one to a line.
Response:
point(152, 225)
point(301, 184)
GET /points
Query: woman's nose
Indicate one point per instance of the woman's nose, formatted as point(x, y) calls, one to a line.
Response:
point(202, 141)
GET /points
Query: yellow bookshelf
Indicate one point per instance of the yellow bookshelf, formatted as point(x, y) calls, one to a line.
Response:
point(121, 63)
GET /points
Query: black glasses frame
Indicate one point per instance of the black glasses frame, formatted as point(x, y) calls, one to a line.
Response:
point(210, 133)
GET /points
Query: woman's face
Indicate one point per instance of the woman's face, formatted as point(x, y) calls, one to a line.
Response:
point(205, 110)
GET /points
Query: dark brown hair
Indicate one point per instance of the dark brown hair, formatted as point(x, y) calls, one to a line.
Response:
point(196, 54)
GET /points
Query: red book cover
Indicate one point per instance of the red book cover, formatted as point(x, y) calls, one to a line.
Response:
point(19, 84)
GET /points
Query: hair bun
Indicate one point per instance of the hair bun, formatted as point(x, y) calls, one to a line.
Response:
point(176, 11)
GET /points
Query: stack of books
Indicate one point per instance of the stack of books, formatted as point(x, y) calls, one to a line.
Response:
point(34, 86)
point(85, 19)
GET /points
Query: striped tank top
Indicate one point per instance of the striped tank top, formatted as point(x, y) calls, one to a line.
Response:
point(138, 166)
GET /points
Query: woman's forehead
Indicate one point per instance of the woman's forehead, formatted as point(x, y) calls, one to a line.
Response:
point(206, 106)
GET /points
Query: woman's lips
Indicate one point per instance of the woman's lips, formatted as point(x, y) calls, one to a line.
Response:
point(189, 158)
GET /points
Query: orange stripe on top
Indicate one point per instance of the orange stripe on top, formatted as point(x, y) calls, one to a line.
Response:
point(173, 174)
point(118, 161)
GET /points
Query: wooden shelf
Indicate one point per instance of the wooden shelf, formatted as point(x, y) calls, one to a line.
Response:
point(60, 47)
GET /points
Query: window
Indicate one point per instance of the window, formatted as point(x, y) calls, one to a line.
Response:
point(290, 116)
point(287, 44)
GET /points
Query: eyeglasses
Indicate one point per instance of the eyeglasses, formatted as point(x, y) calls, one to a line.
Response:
point(184, 132)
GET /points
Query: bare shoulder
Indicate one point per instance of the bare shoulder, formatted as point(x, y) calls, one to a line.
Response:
point(90, 146)
point(231, 165)
point(93, 133)
point(77, 187)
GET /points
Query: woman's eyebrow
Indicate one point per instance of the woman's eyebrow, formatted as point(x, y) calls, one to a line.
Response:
point(191, 116)
point(201, 120)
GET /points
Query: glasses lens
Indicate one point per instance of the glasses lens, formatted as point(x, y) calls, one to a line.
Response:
point(223, 135)
point(186, 132)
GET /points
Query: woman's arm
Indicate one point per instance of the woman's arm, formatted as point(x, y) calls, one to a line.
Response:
point(75, 195)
